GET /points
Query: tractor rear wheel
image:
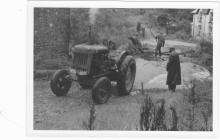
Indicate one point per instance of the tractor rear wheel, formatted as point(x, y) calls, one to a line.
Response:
point(127, 72)
point(100, 90)
point(60, 84)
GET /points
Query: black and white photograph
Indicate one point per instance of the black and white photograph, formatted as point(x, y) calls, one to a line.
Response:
point(102, 69)
point(138, 69)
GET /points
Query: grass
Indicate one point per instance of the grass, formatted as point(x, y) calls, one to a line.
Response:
point(147, 114)
point(204, 55)
point(43, 74)
point(198, 106)
point(152, 116)
point(70, 112)
point(158, 111)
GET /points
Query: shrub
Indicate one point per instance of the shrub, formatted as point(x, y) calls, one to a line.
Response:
point(182, 35)
point(147, 114)
point(199, 105)
point(152, 116)
point(206, 46)
point(204, 54)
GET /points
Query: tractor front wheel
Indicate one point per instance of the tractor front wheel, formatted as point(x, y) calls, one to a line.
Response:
point(60, 82)
point(101, 90)
point(127, 73)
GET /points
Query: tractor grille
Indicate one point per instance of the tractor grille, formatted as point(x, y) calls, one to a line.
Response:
point(80, 61)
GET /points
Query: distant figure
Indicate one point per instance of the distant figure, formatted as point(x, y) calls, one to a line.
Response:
point(136, 42)
point(138, 27)
point(143, 32)
point(160, 43)
point(174, 71)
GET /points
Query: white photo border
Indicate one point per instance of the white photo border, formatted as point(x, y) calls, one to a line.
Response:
point(121, 4)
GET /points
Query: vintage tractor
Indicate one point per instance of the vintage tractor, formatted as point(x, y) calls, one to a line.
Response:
point(94, 66)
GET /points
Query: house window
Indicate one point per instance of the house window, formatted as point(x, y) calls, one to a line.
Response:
point(200, 17)
point(210, 30)
point(211, 18)
point(199, 30)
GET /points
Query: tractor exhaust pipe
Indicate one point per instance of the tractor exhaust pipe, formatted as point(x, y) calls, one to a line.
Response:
point(92, 35)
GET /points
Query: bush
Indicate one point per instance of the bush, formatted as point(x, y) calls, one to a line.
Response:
point(182, 35)
point(204, 54)
point(199, 105)
point(152, 116)
point(113, 25)
point(206, 46)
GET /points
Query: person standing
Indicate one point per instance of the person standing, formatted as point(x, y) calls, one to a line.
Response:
point(174, 70)
point(160, 39)
point(143, 32)
point(160, 43)
point(138, 27)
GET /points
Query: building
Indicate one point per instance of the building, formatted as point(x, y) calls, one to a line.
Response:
point(202, 24)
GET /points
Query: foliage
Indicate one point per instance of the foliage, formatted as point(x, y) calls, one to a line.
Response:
point(79, 20)
point(56, 29)
point(204, 54)
point(182, 35)
point(163, 20)
point(176, 22)
point(147, 114)
point(113, 25)
point(51, 37)
point(199, 97)
point(152, 116)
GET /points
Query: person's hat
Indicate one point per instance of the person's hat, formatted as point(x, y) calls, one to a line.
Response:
point(171, 49)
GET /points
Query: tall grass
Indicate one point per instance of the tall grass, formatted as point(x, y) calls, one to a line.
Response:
point(204, 54)
point(152, 116)
point(147, 114)
point(198, 103)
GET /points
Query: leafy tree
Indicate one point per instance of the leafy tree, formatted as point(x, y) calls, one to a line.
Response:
point(164, 21)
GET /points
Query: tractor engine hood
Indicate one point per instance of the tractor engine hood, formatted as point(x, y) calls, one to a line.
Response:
point(85, 48)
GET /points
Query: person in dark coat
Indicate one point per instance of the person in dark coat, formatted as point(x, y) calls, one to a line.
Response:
point(174, 71)
point(160, 43)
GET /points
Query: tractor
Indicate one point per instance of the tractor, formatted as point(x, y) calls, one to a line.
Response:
point(95, 66)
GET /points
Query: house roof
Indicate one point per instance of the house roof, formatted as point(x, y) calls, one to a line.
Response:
point(202, 11)
point(195, 11)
